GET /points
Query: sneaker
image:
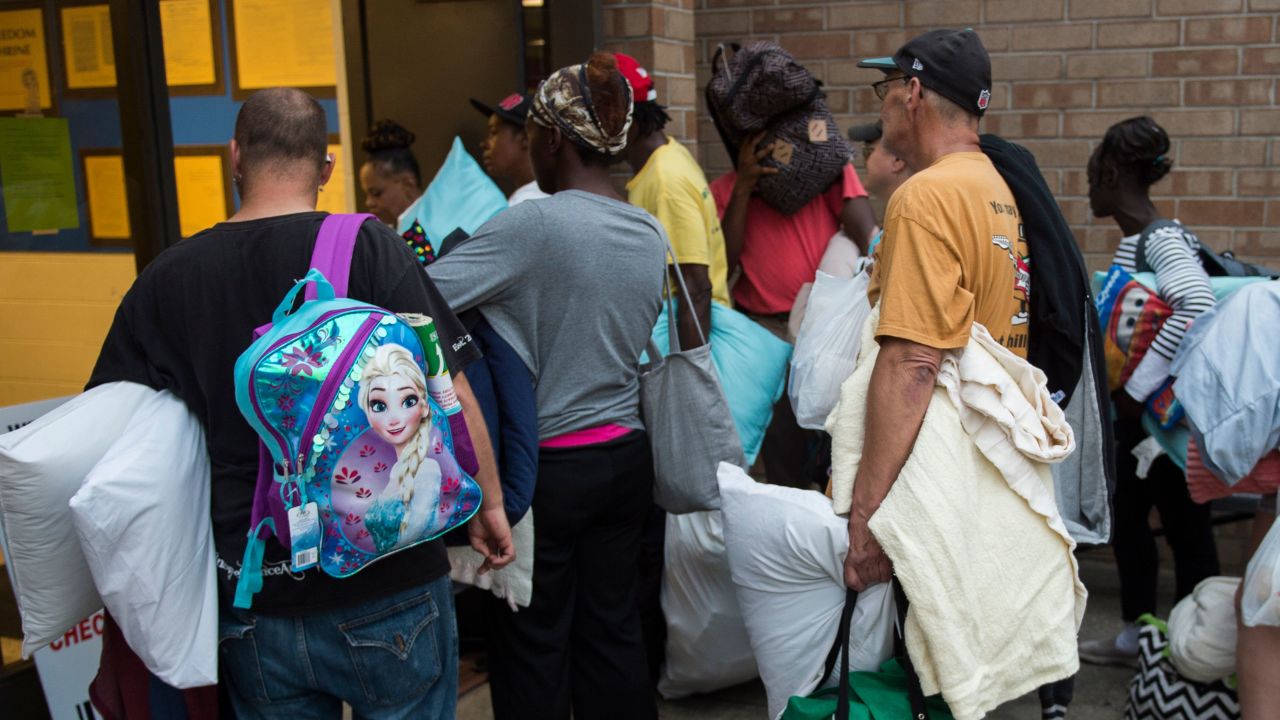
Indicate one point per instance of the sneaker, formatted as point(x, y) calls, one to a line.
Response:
point(1053, 712)
point(1107, 652)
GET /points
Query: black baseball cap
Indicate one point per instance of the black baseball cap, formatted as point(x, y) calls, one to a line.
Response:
point(870, 132)
point(952, 63)
point(513, 108)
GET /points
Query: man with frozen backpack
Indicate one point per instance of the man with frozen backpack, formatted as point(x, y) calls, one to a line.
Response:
point(383, 641)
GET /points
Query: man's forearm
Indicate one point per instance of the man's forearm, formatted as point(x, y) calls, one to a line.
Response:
point(698, 282)
point(734, 227)
point(858, 220)
point(487, 478)
point(902, 384)
point(688, 331)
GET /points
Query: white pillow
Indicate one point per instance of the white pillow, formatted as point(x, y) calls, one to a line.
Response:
point(41, 466)
point(707, 644)
point(1202, 631)
point(143, 522)
point(786, 555)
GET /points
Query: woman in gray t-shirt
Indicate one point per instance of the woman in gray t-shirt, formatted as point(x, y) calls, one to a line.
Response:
point(574, 283)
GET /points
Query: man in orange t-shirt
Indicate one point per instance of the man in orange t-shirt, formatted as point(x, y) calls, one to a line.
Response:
point(953, 254)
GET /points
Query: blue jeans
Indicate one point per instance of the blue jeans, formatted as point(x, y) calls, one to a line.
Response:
point(393, 657)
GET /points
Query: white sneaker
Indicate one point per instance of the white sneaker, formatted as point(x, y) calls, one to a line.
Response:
point(1107, 652)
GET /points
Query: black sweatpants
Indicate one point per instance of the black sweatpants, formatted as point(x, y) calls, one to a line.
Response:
point(1186, 527)
point(578, 645)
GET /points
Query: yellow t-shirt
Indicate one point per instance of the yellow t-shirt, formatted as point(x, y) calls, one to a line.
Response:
point(673, 189)
point(953, 254)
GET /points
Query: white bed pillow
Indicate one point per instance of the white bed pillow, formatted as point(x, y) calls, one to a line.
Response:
point(41, 466)
point(142, 517)
point(786, 556)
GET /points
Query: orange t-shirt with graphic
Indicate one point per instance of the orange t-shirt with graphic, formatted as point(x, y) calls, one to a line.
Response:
point(953, 254)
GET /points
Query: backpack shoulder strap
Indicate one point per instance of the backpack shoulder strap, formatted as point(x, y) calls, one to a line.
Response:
point(1140, 252)
point(334, 246)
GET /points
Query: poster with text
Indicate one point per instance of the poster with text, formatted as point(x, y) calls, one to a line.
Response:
point(24, 68)
point(283, 43)
point(36, 175)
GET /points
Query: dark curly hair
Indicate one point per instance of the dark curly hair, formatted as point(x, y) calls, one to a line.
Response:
point(649, 118)
point(1137, 148)
point(387, 144)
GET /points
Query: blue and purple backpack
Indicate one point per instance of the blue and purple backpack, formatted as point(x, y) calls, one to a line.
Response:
point(351, 403)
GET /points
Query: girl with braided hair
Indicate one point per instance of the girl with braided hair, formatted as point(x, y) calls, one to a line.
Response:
point(393, 392)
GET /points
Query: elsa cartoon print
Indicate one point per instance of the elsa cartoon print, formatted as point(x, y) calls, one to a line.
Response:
point(393, 395)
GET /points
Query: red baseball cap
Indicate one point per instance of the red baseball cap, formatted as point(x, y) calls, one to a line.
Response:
point(641, 83)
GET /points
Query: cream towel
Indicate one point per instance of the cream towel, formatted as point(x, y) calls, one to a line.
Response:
point(972, 528)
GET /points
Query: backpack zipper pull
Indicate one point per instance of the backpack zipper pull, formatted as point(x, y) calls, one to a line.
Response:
point(302, 479)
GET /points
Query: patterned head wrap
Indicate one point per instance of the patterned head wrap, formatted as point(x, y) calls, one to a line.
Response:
point(564, 101)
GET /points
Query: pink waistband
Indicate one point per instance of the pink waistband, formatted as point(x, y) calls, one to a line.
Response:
point(589, 436)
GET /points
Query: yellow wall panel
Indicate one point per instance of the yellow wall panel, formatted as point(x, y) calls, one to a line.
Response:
point(55, 309)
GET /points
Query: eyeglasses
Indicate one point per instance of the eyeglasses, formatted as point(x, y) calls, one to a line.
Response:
point(882, 88)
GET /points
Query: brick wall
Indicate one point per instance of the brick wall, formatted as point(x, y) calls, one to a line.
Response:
point(660, 35)
point(1064, 70)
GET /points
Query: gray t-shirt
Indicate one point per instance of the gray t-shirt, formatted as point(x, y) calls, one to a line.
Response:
point(574, 283)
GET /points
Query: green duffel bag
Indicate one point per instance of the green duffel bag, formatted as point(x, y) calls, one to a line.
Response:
point(891, 693)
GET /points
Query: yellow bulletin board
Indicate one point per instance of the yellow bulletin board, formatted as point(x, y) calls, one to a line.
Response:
point(86, 47)
point(107, 202)
point(282, 43)
point(333, 198)
point(192, 46)
point(204, 187)
point(23, 63)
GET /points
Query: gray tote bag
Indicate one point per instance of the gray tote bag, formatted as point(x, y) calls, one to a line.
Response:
point(687, 417)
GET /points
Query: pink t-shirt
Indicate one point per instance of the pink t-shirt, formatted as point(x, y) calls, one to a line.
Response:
point(780, 253)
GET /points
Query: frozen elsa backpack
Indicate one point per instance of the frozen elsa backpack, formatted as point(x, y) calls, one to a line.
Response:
point(356, 419)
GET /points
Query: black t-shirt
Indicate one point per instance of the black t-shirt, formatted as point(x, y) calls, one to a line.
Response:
point(192, 312)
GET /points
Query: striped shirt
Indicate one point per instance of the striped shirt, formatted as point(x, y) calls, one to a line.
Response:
point(1172, 252)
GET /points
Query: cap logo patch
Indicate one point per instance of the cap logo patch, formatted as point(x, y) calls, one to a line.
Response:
point(984, 99)
point(917, 65)
point(510, 101)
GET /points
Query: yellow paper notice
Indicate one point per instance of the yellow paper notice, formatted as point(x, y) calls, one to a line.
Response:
point(86, 45)
point(188, 42)
point(108, 206)
point(24, 69)
point(202, 192)
point(333, 198)
point(284, 43)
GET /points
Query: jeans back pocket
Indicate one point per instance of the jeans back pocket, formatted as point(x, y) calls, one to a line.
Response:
point(396, 651)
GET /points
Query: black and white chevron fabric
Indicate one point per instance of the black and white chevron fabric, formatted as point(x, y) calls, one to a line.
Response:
point(1158, 692)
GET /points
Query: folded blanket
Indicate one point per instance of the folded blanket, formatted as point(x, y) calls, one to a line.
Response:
point(972, 528)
